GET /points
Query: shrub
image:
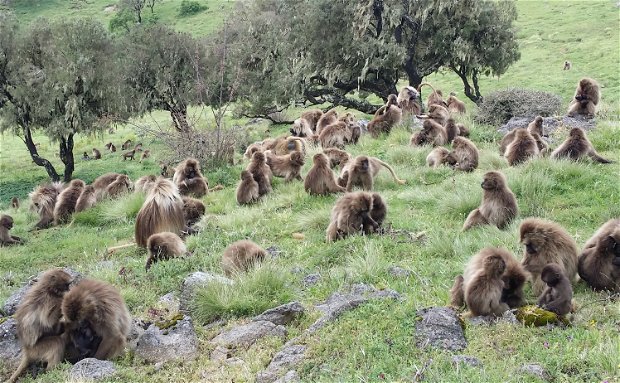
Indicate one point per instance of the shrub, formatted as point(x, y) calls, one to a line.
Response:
point(189, 8)
point(499, 107)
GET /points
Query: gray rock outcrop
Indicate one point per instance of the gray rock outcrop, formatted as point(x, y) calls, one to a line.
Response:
point(90, 369)
point(439, 327)
point(176, 343)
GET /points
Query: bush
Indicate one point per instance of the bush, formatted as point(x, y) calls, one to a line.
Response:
point(189, 8)
point(499, 107)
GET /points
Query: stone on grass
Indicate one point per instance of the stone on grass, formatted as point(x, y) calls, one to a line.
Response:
point(283, 314)
point(535, 370)
point(247, 334)
point(399, 272)
point(439, 327)
point(283, 361)
point(311, 279)
point(92, 369)
point(466, 360)
point(194, 281)
point(9, 345)
point(550, 124)
point(169, 302)
point(175, 343)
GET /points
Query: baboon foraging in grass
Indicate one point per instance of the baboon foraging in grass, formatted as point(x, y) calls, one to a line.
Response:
point(15, 203)
point(432, 133)
point(362, 170)
point(83, 343)
point(163, 246)
point(96, 154)
point(522, 148)
point(42, 200)
point(578, 146)
point(409, 101)
point(193, 210)
point(162, 211)
point(483, 291)
point(261, 172)
point(241, 256)
point(558, 293)
point(437, 157)
point(320, 179)
point(567, 65)
point(138, 147)
point(386, 117)
point(499, 205)
point(288, 166)
point(66, 201)
point(145, 183)
point(87, 199)
point(464, 155)
point(130, 154)
point(6, 224)
point(326, 119)
point(455, 105)
point(126, 145)
point(145, 154)
point(189, 178)
point(586, 98)
point(599, 262)
point(378, 212)
point(351, 214)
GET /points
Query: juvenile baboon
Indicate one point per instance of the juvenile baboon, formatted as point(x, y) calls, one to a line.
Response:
point(85, 156)
point(386, 117)
point(167, 171)
point(130, 154)
point(483, 291)
point(39, 327)
point(15, 203)
point(558, 293)
point(534, 128)
point(362, 170)
point(437, 113)
point(126, 145)
point(87, 199)
point(119, 187)
point(189, 178)
point(145, 183)
point(101, 306)
point(567, 65)
point(455, 105)
point(351, 214)
point(6, 224)
point(96, 154)
point(337, 135)
point(163, 246)
point(578, 146)
point(261, 173)
point(326, 119)
point(312, 116)
point(301, 128)
point(599, 263)
point(193, 210)
point(288, 166)
point(336, 157)
point(257, 146)
point(437, 157)
point(522, 148)
point(320, 179)
point(162, 211)
point(464, 155)
point(138, 147)
point(409, 101)
point(247, 190)
point(547, 242)
point(378, 212)
point(66, 201)
point(42, 200)
point(241, 256)
point(499, 205)
point(586, 98)
point(463, 130)
point(432, 133)
point(145, 154)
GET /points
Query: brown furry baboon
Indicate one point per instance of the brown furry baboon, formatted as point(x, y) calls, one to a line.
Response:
point(96, 154)
point(312, 116)
point(362, 170)
point(432, 133)
point(193, 210)
point(567, 65)
point(455, 105)
point(409, 101)
point(386, 117)
point(101, 306)
point(138, 147)
point(108, 145)
point(111, 147)
point(15, 203)
point(578, 146)
point(167, 171)
point(6, 224)
point(66, 201)
point(586, 98)
point(163, 246)
point(463, 130)
point(522, 148)
point(257, 146)
point(599, 263)
point(464, 155)
point(261, 172)
point(378, 212)
point(145, 183)
point(483, 290)
point(435, 98)
point(247, 190)
point(338, 134)
point(119, 187)
point(38, 318)
point(547, 242)
point(437, 157)
point(162, 211)
point(437, 113)
point(558, 294)
point(326, 119)
point(189, 178)
point(102, 182)
point(241, 256)
point(301, 128)
point(130, 154)
point(87, 199)
point(535, 128)
point(351, 214)
point(42, 200)
point(320, 179)
point(145, 154)
point(499, 205)
point(126, 145)
point(337, 157)
point(285, 145)
point(288, 166)
point(451, 130)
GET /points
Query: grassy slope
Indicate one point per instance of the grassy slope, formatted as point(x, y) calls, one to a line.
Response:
point(376, 338)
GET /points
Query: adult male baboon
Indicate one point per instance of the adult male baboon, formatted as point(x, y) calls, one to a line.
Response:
point(432, 133)
point(288, 166)
point(483, 290)
point(6, 224)
point(586, 98)
point(578, 146)
point(599, 262)
point(558, 293)
point(66, 201)
point(351, 214)
point(362, 170)
point(409, 101)
point(241, 256)
point(189, 178)
point(261, 172)
point(87, 199)
point(247, 190)
point(326, 119)
point(42, 200)
point(320, 179)
point(162, 211)
point(437, 157)
point(522, 148)
point(301, 128)
point(464, 155)
point(96, 154)
point(499, 205)
point(163, 246)
point(455, 105)
point(386, 117)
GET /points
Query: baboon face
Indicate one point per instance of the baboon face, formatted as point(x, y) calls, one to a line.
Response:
point(492, 181)
point(291, 145)
point(551, 274)
point(495, 265)
point(7, 222)
point(362, 165)
point(577, 133)
point(427, 126)
point(191, 169)
point(413, 94)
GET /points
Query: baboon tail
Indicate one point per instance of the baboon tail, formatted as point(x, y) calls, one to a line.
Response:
point(389, 168)
point(595, 157)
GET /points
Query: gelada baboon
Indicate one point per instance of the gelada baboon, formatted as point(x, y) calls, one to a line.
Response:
point(535, 128)
point(455, 105)
point(241, 256)
point(378, 212)
point(567, 65)
point(145, 154)
point(558, 293)
point(189, 178)
point(437, 157)
point(432, 133)
point(320, 179)
point(43, 200)
point(163, 246)
point(522, 148)
point(483, 291)
point(338, 134)
point(96, 154)
point(120, 186)
point(409, 101)
point(83, 343)
point(499, 205)
point(362, 170)
point(66, 201)
point(6, 224)
point(386, 117)
point(111, 147)
point(351, 214)
point(102, 182)
point(162, 211)
point(312, 116)
point(126, 145)
point(101, 306)
point(326, 119)
point(578, 146)
point(464, 155)
point(38, 318)
point(247, 190)
point(15, 203)
point(87, 199)
point(261, 172)
point(437, 113)
point(451, 130)
point(288, 166)
point(145, 183)
point(435, 98)
point(166, 170)
point(599, 263)
point(138, 147)
point(193, 210)
point(337, 157)
point(547, 242)
point(586, 98)
point(301, 128)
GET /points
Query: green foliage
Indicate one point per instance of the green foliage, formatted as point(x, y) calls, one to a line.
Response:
point(122, 21)
point(190, 7)
point(500, 106)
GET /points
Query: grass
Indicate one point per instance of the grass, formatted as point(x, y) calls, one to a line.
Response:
point(375, 341)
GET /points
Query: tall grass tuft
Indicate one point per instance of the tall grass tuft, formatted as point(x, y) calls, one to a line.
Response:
point(122, 209)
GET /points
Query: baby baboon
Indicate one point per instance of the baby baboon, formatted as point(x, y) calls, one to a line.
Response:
point(321, 180)
point(312, 116)
point(100, 305)
point(193, 210)
point(166, 170)
point(119, 187)
point(432, 133)
point(326, 119)
point(189, 179)
point(145, 154)
point(586, 98)
point(499, 205)
point(42, 200)
point(15, 203)
point(464, 155)
point(6, 224)
point(130, 154)
point(66, 201)
point(547, 242)
point(39, 327)
point(163, 246)
point(336, 157)
point(437, 157)
point(85, 157)
point(578, 146)
point(455, 105)
point(599, 263)
point(362, 170)
point(126, 145)
point(288, 166)
point(247, 190)
point(301, 128)
point(483, 291)
point(409, 101)
point(162, 211)
point(261, 173)
point(145, 183)
point(558, 293)
point(567, 65)
point(87, 199)
point(386, 117)
point(351, 214)
point(522, 148)
point(241, 256)
point(96, 154)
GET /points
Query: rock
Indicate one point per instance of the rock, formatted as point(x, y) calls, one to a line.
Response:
point(536, 370)
point(283, 361)
point(247, 334)
point(467, 360)
point(550, 124)
point(170, 302)
point(371, 292)
point(10, 306)
point(399, 272)
point(486, 320)
point(9, 345)
point(273, 251)
point(439, 327)
point(234, 361)
point(220, 354)
point(176, 343)
point(311, 280)
point(92, 369)
point(289, 377)
point(135, 332)
point(283, 314)
point(196, 280)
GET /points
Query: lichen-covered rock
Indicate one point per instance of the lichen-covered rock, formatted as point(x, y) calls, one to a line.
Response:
point(247, 334)
point(138, 326)
point(169, 302)
point(196, 280)
point(9, 345)
point(283, 314)
point(439, 327)
point(535, 316)
point(283, 361)
point(550, 124)
point(175, 343)
point(536, 370)
point(399, 272)
point(466, 360)
point(92, 369)
point(311, 279)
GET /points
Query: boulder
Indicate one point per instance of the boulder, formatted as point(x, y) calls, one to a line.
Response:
point(281, 315)
point(439, 327)
point(175, 343)
point(92, 369)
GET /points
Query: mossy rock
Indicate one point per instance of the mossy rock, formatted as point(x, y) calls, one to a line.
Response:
point(166, 324)
point(535, 316)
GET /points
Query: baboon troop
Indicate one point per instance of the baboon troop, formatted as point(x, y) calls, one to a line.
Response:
point(241, 256)
point(499, 205)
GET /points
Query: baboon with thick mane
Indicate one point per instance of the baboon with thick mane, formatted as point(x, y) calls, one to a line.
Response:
point(386, 117)
point(351, 214)
point(409, 101)
point(66, 201)
point(522, 148)
point(499, 205)
point(42, 200)
point(163, 246)
point(578, 146)
point(586, 98)
point(247, 190)
point(241, 255)
point(464, 155)
point(6, 224)
point(261, 172)
point(599, 262)
point(320, 179)
point(362, 170)
point(189, 178)
point(145, 183)
point(558, 294)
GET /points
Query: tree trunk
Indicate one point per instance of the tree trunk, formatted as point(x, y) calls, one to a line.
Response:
point(475, 96)
point(179, 118)
point(40, 161)
point(66, 155)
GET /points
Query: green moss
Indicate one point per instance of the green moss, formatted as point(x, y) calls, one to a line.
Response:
point(535, 316)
